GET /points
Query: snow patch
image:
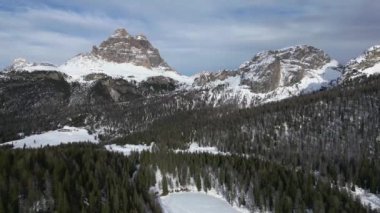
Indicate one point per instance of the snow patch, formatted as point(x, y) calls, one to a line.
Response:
point(127, 149)
point(195, 148)
point(372, 70)
point(54, 138)
point(366, 198)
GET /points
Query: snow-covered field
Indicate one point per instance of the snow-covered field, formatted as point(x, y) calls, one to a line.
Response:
point(127, 149)
point(54, 138)
point(195, 203)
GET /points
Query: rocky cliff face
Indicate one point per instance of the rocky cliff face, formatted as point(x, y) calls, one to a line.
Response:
point(282, 68)
point(272, 75)
point(121, 47)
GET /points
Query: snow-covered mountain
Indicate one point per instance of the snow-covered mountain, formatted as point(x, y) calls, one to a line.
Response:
point(82, 65)
point(272, 75)
point(120, 56)
point(366, 64)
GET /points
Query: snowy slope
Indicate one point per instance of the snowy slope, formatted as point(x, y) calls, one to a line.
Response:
point(85, 64)
point(80, 66)
point(54, 138)
point(366, 64)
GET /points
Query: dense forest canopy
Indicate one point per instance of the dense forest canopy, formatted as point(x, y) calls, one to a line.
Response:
point(289, 156)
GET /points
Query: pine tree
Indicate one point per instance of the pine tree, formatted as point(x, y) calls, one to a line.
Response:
point(164, 185)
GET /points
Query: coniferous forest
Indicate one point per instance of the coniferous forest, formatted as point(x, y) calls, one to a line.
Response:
point(87, 178)
point(297, 155)
point(74, 178)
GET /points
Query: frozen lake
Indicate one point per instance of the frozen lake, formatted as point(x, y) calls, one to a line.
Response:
point(195, 203)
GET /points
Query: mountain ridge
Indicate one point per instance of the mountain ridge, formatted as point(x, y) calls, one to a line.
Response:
point(269, 75)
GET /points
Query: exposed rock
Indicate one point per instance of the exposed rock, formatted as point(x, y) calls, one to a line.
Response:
point(208, 77)
point(159, 84)
point(280, 68)
point(114, 90)
point(121, 47)
point(160, 80)
point(95, 76)
point(36, 75)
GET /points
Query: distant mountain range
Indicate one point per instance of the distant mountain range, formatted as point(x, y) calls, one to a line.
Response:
point(268, 76)
point(126, 69)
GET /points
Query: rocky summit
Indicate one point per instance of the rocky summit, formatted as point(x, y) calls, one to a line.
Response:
point(121, 47)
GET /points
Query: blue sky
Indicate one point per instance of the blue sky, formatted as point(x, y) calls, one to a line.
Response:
point(192, 36)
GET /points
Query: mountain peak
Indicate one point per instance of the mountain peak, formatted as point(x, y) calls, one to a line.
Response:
point(120, 33)
point(141, 37)
point(121, 47)
point(298, 52)
point(18, 64)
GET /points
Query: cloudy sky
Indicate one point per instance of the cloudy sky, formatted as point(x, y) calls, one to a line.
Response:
point(192, 36)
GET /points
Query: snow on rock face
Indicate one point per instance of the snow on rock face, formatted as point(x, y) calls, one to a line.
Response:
point(365, 65)
point(54, 138)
